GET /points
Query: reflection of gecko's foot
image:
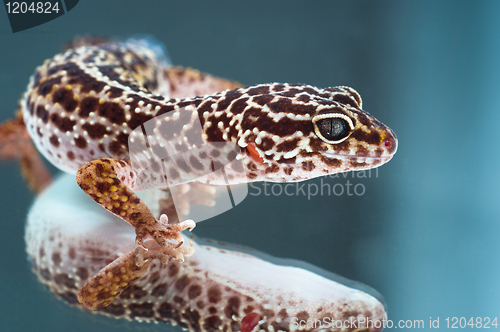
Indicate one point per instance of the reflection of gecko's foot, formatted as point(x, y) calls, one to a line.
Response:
point(112, 280)
point(167, 236)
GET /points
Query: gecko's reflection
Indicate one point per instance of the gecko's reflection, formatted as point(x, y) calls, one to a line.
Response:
point(69, 238)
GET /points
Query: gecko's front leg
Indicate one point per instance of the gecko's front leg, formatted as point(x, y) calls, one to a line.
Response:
point(108, 182)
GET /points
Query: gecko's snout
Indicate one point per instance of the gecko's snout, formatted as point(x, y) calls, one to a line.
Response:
point(390, 142)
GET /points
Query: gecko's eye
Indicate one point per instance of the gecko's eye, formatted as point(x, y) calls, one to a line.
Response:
point(332, 128)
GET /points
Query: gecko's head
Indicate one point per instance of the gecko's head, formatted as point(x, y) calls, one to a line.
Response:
point(302, 132)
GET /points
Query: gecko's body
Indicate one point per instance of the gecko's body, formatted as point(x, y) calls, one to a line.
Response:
point(89, 107)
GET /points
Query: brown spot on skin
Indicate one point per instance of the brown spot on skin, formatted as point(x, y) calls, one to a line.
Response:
point(364, 119)
point(304, 98)
point(252, 175)
point(54, 140)
point(248, 309)
point(263, 100)
point(268, 313)
point(212, 310)
point(42, 113)
point(87, 105)
point(166, 310)
point(266, 144)
point(115, 309)
point(181, 283)
point(113, 75)
point(71, 155)
point(232, 307)
point(193, 317)
point(331, 162)
point(286, 105)
point(159, 290)
point(278, 87)
point(288, 145)
point(113, 112)
point(212, 323)
point(181, 164)
point(349, 313)
point(96, 131)
point(308, 166)
point(195, 163)
point(82, 272)
point(272, 169)
point(72, 253)
point(64, 279)
point(179, 300)
point(260, 90)
point(114, 92)
point(200, 304)
point(164, 109)
point(283, 314)
point(65, 98)
point(88, 83)
point(120, 146)
point(64, 124)
point(45, 273)
point(47, 85)
point(69, 297)
point(239, 106)
point(174, 174)
point(214, 294)
point(303, 315)
point(355, 164)
point(141, 310)
point(372, 138)
point(134, 291)
point(345, 100)
point(155, 276)
point(288, 170)
point(215, 153)
point(361, 150)
point(173, 269)
point(80, 142)
point(56, 258)
point(194, 291)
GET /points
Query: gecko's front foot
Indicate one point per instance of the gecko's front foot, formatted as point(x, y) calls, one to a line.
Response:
point(167, 236)
point(107, 182)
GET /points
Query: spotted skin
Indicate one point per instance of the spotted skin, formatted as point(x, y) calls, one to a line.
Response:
point(83, 106)
point(213, 290)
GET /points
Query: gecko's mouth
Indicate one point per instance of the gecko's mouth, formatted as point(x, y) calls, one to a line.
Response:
point(369, 159)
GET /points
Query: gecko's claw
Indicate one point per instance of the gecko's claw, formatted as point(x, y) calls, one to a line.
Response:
point(167, 236)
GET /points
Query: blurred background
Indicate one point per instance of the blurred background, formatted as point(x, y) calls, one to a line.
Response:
point(424, 233)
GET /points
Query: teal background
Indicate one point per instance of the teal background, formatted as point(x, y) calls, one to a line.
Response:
point(426, 232)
